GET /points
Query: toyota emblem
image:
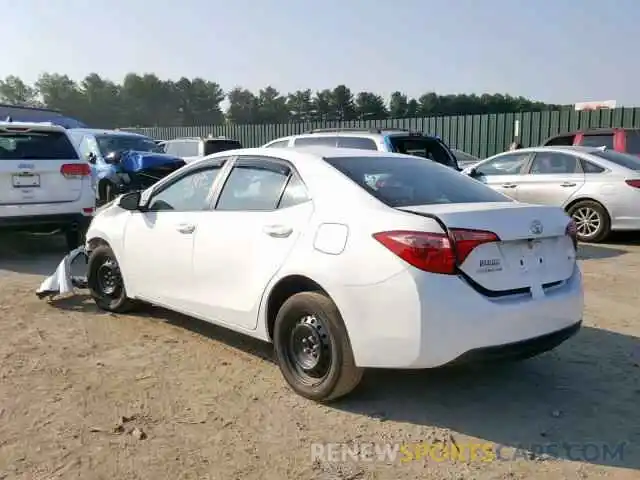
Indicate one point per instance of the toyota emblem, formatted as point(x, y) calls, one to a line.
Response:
point(536, 227)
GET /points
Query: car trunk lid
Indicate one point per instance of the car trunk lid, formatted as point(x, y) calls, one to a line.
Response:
point(533, 250)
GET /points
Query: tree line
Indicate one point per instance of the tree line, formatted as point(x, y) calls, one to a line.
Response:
point(146, 100)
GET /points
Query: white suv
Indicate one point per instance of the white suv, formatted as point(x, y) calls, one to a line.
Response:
point(44, 184)
point(383, 140)
point(191, 148)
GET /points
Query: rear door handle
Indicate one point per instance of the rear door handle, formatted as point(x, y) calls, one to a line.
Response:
point(277, 231)
point(509, 185)
point(186, 228)
point(567, 184)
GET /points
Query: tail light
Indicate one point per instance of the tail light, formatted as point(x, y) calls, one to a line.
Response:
point(633, 183)
point(572, 231)
point(75, 169)
point(435, 252)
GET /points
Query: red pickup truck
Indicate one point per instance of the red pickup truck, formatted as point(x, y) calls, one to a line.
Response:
point(625, 140)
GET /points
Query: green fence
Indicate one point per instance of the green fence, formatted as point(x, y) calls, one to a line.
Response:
point(480, 135)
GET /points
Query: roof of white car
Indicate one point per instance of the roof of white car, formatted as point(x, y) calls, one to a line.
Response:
point(312, 153)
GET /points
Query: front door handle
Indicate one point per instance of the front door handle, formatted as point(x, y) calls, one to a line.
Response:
point(509, 185)
point(277, 231)
point(567, 184)
point(186, 228)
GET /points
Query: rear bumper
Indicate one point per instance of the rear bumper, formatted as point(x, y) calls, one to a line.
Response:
point(44, 222)
point(417, 320)
point(518, 350)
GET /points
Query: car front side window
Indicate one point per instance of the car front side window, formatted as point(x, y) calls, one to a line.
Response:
point(511, 164)
point(190, 193)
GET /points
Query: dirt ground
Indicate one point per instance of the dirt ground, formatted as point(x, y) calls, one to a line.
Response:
point(89, 395)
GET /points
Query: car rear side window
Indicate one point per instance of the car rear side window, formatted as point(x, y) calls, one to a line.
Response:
point(589, 167)
point(35, 145)
point(215, 146)
point(295, 193)
point(360, 143)
point(621, 159)
point(315, 141)
point(633, 142)
point(602, 140)
point(402, 182)
point(280, 144)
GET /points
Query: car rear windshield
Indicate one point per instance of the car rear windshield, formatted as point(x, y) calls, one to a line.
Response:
point(622, 159)
point(403, 182)
point(424, 147)
point(216, 146)
point(36, 145)
point(119, 143)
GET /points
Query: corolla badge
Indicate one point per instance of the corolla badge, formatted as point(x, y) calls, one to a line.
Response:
point(536, 227)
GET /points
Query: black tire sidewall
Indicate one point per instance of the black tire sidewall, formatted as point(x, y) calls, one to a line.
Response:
point(96, 259)
point(291, 311)
point(605, 222)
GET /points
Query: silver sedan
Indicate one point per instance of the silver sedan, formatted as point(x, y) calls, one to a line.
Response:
point(599, 188)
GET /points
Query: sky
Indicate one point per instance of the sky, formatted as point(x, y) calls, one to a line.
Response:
point(559, 51)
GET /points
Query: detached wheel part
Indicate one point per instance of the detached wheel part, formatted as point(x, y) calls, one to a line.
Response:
point(105, 281)
point(313, 348)
point(592, 220)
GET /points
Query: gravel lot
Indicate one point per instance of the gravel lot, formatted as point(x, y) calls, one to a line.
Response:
point(90, 395)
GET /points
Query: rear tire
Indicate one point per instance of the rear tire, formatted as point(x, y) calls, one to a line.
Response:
point(313, 349)
point(592, 220)
point(105, 281)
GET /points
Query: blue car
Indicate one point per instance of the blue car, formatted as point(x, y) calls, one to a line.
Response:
point(122, 161)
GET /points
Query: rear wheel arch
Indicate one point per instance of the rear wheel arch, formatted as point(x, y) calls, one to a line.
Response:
point(284, 289)
point(573, 202)
point(605, 229)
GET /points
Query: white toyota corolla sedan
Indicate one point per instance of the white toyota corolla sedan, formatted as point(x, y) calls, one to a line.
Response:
point(344, 259)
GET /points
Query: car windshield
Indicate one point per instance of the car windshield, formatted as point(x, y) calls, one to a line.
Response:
point(118, 143)
point(403, 182)
point(215, 146)
point(424, 147)
point(621, 159)
point(34, 145)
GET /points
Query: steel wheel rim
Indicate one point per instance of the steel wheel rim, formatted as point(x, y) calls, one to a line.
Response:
point(108, 278)
point(309, 349)
point(588, 221)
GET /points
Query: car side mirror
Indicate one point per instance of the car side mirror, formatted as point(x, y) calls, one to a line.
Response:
point(91, 158)
point(130, 201)
point(472, 172)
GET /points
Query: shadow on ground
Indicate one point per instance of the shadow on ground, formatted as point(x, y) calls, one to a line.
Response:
point(31, 254)
point(588, 251)
point(585, 394)
point(556, 398)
